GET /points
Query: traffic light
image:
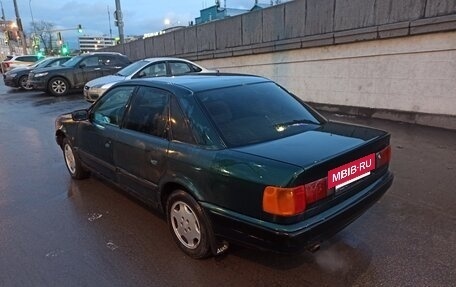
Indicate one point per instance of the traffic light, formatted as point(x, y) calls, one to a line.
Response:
point(65, 50)
point(79, 28)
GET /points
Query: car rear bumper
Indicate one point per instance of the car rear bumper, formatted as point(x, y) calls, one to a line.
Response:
point(295, 237)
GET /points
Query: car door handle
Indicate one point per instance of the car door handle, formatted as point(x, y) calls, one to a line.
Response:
point(153, 162)
point(96, 69)
point(108, 144)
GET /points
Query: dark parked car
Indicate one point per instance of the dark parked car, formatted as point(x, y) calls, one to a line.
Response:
point(76, 72)
point(17, 77)
point(229, 158)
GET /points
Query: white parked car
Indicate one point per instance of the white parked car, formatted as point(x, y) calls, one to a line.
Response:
point(147, 68)
point(12, 62)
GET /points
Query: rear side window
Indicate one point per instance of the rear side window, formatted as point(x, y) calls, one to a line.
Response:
point(196, 68)
point(118, 60)
point(91, 61)
point(153, 70)
point(111, 60)
point(179, 68)
point(179, 126)
point(27, 59)
point(256, 113)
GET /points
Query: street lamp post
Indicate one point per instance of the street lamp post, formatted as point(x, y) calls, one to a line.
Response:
point(31, 13)
point(34, 26)
point(119, 21)
point(4, 19)
point(20, 29)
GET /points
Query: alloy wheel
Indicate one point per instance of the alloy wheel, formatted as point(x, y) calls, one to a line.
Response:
point(185, 224)
point(59, 86)
point(69, 159)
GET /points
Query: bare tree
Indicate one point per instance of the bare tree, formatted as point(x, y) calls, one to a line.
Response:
point(43, 30)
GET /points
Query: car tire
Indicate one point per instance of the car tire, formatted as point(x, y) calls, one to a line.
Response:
point(72, 161)
point(23, 83)
point(58, 86)
point(188, 225)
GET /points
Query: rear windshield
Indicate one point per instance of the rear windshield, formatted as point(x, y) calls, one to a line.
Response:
point(256, 113)
point(42, 63)
point(72, 62)
point(132, 68)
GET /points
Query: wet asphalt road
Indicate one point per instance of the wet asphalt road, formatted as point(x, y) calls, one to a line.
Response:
point(55, 231)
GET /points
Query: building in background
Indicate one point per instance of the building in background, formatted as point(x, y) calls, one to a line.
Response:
point(9, 39)
point(258, 6)
point(92, 44)
point(216, 13)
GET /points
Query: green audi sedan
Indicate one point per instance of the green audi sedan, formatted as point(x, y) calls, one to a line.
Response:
point(229, 158)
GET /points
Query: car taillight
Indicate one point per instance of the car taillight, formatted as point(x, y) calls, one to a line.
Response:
point(6, 64)
point(383, 157)
point(294, 200)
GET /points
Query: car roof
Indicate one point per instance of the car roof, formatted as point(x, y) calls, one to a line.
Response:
point(20, 56)
point(164, 59)
point(100, 53)
point(199, 82)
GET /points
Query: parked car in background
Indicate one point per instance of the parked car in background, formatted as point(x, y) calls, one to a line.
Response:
point(17, 77)
point(229, 158)
point(11, 62)
point(147, 68)
point(73, 74)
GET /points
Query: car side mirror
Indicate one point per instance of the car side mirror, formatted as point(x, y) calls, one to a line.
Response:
point(82, 65)
point(80, 115)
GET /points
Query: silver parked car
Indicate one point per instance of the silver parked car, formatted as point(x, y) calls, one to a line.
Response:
point(147, 68)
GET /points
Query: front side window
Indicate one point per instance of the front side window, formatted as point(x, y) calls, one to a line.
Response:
point(110, 108)
point(154, 70)
point(149, 112)
point(276, 113)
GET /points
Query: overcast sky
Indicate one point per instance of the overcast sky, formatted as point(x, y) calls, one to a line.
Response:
point(140, 16)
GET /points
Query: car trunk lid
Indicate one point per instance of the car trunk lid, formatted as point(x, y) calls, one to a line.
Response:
point(331, 144)
point(330, 147)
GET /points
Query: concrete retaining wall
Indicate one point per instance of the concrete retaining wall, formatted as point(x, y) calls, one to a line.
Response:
point(414, 74)
point(300, 24)
point(388, 54)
